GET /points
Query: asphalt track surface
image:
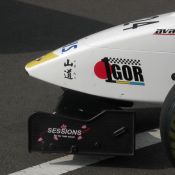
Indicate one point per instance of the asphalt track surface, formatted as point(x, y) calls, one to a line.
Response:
point(30, 28)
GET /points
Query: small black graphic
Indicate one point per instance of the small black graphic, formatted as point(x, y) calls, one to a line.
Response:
point(68, 63)
point(140, 23)
point(69, 72)
point(165, 32)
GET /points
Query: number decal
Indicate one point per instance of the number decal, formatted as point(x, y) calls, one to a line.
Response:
point(141, 22)
point(69, 47)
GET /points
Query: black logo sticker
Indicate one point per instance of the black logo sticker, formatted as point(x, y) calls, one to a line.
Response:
point(165, 32)
point(69, 69)
point(140, 23)
point(120, 71)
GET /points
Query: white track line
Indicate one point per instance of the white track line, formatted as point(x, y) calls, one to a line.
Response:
point(147, 138)
point(70, 162)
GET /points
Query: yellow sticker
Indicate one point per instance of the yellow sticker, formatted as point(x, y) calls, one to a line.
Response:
point(42, 59)
point(122, 82)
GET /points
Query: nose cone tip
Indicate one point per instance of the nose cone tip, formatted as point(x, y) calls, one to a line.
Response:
point(31, 64)
point(41, 60)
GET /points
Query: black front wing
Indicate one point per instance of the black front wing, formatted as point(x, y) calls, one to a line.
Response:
point(109, 133)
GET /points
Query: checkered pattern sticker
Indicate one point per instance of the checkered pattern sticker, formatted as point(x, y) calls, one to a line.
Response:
point(125, 61)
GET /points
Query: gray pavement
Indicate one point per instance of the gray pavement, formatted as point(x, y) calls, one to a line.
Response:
point(30, 28)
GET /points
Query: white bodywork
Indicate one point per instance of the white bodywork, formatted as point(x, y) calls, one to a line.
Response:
point(139, 59)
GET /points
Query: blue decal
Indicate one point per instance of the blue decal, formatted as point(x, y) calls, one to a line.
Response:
point(137, 83)
point(73, 45)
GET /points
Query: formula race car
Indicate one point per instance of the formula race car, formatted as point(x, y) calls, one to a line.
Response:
point(102, 76)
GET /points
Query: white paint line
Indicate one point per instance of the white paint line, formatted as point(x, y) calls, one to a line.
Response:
point(147, 138)
point(71, 162)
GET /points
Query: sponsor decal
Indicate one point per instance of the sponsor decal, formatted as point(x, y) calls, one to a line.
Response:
point(165, 32)
point(69, 69)
point(63, 131)
point(69, 47)
point(140, 23)
point(120, 71)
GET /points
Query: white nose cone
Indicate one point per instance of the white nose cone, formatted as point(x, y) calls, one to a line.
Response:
point(133, 61)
